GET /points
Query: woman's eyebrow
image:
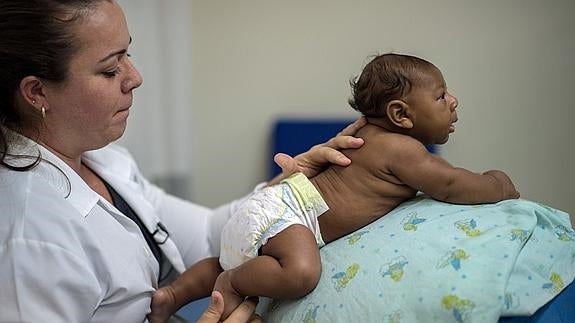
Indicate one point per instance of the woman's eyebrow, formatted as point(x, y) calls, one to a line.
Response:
point(116, 53)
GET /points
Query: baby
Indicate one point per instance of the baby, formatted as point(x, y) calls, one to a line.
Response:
point(270, 245)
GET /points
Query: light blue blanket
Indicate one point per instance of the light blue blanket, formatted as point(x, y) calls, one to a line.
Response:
point(428, 261)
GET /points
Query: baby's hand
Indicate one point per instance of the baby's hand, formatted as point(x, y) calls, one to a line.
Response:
point(508, 190)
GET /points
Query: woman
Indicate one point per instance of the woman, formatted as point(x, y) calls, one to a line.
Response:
point(84, 236)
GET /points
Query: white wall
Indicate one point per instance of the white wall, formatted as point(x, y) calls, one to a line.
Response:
point(158, 133)
point(509, 62)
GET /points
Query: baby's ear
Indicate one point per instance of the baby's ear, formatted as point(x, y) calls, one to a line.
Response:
point(397, 113)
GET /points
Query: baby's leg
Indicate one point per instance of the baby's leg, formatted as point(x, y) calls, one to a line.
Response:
point(289, 266)
point(196, 282)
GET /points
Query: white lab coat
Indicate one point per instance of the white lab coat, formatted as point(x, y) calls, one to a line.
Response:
point(67, 255)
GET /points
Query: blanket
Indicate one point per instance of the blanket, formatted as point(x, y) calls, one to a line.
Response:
point(429, 261)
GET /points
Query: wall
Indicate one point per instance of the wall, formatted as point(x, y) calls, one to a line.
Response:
point(509, 62)
point(158, 133)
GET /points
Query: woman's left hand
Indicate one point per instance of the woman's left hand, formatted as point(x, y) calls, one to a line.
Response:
point(315, 160)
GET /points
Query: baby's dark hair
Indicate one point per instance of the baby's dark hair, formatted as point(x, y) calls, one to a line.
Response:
point(385, 78)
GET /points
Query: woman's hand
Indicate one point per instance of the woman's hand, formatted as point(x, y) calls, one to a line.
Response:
point(242, 314)
point(315, 160)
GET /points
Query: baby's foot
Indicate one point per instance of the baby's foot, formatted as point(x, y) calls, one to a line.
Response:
point(232, 298)
point(163, 305)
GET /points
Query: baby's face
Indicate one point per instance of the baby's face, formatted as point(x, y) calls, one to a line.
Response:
point(432, 108)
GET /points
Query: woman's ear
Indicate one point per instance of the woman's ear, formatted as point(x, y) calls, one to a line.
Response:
point(398, 114)
point(32, 91)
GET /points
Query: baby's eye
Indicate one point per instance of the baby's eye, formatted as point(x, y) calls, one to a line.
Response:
point(442, 96)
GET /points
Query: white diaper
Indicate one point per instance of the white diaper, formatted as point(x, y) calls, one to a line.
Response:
point(266, 213)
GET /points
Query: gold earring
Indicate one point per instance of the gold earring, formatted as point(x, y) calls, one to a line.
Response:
point(43, 112)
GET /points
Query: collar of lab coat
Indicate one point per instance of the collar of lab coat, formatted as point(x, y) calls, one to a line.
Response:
point(55, 171)
point(116, 167)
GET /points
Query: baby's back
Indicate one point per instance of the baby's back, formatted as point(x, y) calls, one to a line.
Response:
point(363, 191)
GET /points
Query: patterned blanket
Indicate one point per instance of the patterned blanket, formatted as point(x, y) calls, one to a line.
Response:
point(429, 261)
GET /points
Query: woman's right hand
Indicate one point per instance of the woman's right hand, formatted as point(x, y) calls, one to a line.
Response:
point(242, 314)
point(315, 160)
point(318, 157)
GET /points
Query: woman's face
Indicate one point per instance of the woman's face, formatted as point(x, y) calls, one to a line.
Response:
point(91, 107)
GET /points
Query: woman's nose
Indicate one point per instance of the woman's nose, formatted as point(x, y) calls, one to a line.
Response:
point(133, 78)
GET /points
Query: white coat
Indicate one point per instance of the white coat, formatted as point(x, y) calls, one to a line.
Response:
point(67, 255)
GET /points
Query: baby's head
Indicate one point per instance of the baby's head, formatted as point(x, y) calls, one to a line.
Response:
point(387, 77)
point(407, 95)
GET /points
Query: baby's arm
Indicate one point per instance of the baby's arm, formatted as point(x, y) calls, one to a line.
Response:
point(195, 283)
point(434, 176)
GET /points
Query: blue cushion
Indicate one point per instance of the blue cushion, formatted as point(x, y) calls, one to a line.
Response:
point(560, 310)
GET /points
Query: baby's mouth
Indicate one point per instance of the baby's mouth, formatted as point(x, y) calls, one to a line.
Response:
point(452, 125)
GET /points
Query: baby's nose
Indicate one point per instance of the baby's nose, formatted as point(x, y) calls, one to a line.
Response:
point(454, 103)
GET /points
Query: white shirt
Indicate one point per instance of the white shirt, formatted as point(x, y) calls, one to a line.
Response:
point(67, 255)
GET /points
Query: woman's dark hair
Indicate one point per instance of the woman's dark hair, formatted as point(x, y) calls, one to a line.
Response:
point(36, 39)
point(385, 78)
